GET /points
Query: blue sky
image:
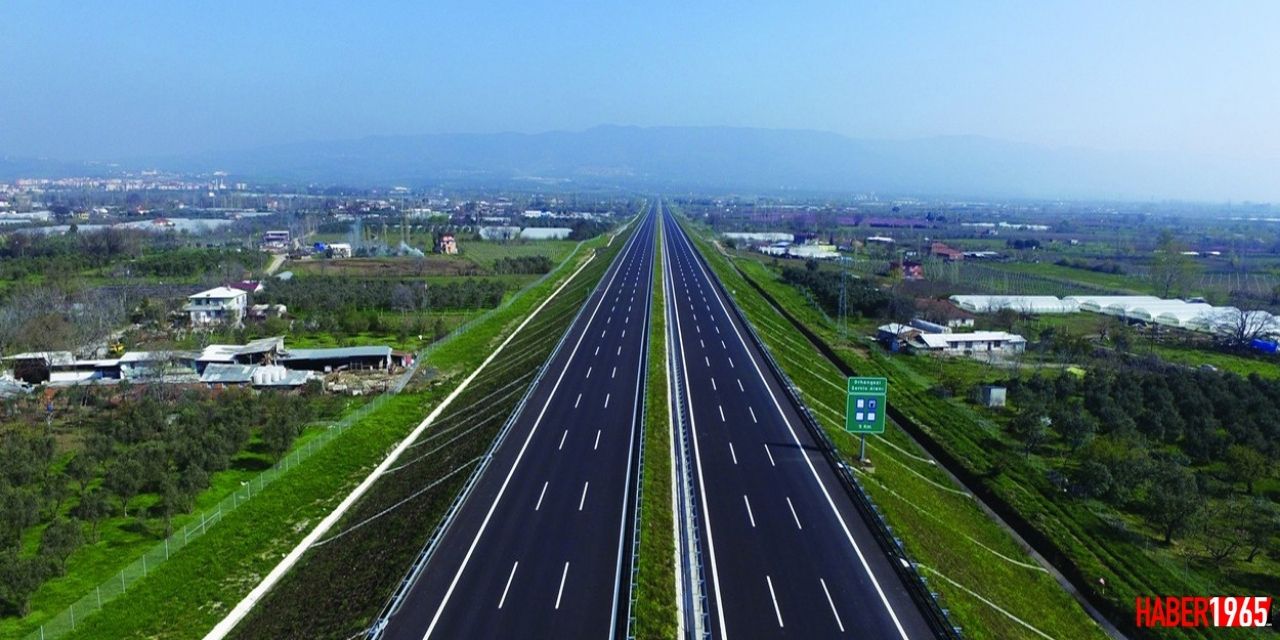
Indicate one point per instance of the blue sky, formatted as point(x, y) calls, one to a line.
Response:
point(121, 78)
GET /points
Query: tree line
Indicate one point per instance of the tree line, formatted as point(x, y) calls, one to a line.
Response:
point(861, 297)
point(523, 265)
point(331, 294)
point(142, 442)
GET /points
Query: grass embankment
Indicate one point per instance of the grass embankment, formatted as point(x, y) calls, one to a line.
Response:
point(339, 586)
point(984, 577)
point(184, 597)
point(655, 606)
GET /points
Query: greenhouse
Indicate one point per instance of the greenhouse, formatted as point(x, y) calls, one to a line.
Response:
point(1096, 304)
point(1023, 304)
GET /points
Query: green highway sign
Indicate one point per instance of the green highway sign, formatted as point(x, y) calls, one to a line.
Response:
point(865, 404)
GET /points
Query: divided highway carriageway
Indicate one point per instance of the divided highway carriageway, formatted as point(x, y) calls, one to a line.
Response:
point(541, 548)
point(784, 551)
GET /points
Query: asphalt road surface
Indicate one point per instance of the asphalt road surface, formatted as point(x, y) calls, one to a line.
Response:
point(785, 552)
point(541, 548)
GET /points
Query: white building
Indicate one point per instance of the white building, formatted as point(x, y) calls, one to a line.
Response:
point(970, 343)
point(219, 305)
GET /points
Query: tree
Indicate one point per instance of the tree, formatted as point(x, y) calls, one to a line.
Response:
point(1171, 271)
point(1075, 426)
point(124, 479)
point(92, 508)
point(19, 509)
point(278, 436)
point(1092, 479)
point(1262, 527)
point(1031, 426)
point(1246, 465)
point(402, 298)
point(58, 540)
point(1173, 502)
point(1239, 327)
point(19, 578)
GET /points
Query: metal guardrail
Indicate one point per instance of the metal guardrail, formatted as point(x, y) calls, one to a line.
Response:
point(689, 495)
point(935, 615)
point(393, 605)
point(693, 529)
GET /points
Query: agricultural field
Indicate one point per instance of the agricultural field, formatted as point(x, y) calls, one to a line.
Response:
point(222, 566)
point(1089, 538)
point(101, 474)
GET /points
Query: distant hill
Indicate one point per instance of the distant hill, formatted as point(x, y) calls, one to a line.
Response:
point(725, 158)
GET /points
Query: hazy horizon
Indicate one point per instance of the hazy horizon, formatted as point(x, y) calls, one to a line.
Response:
point(1195, 83)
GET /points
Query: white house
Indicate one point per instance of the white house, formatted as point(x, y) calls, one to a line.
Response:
point(222, 304)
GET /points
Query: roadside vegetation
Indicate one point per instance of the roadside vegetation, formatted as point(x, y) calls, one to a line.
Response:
point(655, 599)
point(221, 566)
point(986, 580)
point(1095, 408)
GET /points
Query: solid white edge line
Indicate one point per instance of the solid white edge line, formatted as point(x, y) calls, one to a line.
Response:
point(813, 471)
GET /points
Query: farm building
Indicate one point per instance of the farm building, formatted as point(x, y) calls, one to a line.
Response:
point(969, 343)
point(375, 357)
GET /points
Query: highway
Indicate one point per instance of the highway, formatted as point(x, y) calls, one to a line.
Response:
point(541, 548)
point(785, 553)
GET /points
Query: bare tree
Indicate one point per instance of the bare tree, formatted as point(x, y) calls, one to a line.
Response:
point(1238, 328)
